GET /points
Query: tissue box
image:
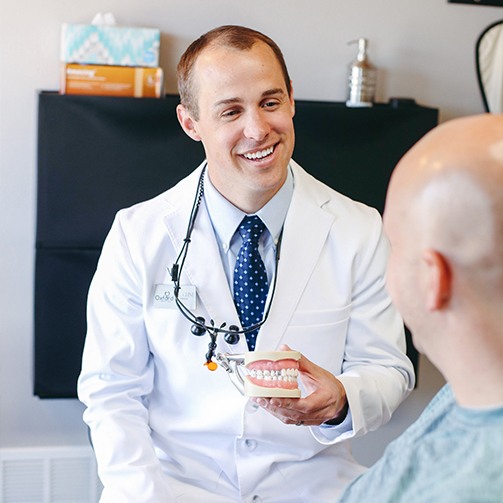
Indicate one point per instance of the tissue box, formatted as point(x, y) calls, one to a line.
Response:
point(110, 45)
point(111, 81)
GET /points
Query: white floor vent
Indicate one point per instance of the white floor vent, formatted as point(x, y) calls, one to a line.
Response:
point(48, 475)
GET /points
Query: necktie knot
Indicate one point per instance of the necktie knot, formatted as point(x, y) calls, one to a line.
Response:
point(251, 228)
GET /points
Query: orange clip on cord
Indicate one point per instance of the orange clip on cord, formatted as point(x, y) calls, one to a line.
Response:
point(211, 365)
point(211, 349)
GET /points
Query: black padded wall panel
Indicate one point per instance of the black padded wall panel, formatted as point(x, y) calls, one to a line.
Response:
point(354, 150)
point(99, 154)
point(62, 278)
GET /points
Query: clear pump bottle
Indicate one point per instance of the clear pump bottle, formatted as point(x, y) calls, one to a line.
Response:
point(361, 78)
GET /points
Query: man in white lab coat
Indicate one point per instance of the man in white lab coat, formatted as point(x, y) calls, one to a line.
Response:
point(163, 426)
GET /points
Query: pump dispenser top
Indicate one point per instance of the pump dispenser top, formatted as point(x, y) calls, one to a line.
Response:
point(361, 77)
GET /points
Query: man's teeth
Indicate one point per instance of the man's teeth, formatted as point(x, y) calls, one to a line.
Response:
point(259, 155)
point(287, 375)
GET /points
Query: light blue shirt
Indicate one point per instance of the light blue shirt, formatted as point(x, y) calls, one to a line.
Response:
point(225, 219)
point(451, 454)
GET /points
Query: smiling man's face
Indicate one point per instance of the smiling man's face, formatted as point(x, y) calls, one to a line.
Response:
point(245, 122)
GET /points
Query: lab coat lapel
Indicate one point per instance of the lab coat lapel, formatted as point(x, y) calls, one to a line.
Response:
point(203, 265)
point(304, 235)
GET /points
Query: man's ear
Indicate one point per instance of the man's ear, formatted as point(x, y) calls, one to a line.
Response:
point(438, 280)
point(189, 125)
point(292, 100)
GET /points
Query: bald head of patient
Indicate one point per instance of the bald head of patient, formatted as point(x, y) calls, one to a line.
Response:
point(444, 219)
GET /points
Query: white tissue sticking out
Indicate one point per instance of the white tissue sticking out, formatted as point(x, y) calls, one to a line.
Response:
point(104, 19)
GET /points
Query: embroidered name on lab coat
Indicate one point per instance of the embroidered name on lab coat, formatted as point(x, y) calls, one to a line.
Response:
point(164, 296)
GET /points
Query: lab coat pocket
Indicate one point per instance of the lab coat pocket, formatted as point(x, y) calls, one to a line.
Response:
point(320, 335)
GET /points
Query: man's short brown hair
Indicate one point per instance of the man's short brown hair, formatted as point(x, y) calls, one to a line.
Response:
point(237, 37)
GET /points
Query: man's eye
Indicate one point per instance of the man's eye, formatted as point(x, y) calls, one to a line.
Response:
point(229, 114)
point(271, 104)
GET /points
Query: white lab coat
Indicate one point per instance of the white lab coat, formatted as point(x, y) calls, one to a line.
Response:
point(164, 428)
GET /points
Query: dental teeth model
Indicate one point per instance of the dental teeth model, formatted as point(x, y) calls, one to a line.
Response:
point(272, 374)
point(263, 373)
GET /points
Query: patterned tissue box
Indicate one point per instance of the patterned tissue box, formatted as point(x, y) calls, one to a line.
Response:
point(110, 45)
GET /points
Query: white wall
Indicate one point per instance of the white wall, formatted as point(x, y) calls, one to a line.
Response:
point(424, 49)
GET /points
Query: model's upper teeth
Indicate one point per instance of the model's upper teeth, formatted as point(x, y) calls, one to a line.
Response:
point(260, 154)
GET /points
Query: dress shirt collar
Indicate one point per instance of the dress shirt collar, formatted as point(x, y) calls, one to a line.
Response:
point(225, 217)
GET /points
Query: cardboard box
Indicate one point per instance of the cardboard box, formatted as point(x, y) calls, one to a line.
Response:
point(112, 81)
point(110, 45)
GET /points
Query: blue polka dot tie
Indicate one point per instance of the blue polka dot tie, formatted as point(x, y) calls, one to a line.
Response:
point(250, 278)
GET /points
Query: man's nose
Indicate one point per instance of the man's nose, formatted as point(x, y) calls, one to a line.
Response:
point(257, 125)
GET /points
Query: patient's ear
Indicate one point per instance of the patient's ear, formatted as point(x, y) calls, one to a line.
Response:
point(187, 122)
point(438, 280)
